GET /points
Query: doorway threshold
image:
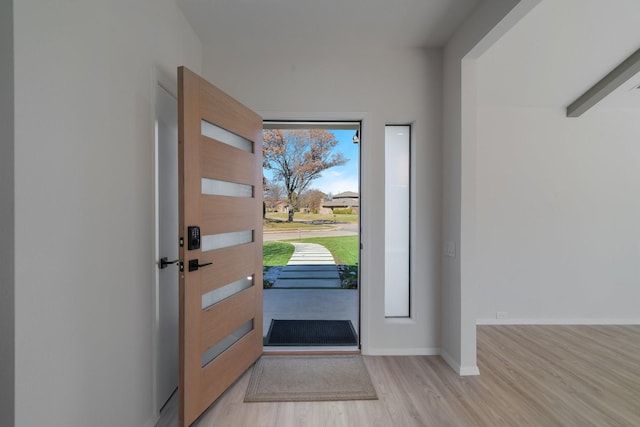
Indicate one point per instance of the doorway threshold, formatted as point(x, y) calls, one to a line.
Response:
point(309, 350)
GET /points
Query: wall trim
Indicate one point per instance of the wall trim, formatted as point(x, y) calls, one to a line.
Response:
point(418, 351)
point(8, 282)
point(426, 351)
point(463, 371)
point(569, 321)
point(469, 371)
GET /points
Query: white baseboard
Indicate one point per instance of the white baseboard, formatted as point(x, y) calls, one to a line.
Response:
point(460, 370)
point(469, 371)
point(421, 351)
point(578, 321)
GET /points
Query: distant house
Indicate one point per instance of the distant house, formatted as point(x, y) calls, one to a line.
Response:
point(281, 206)
point(345, 200)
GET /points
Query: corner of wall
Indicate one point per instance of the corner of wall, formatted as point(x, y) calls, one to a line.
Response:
point(487, 23)
point(7, 219)
point(462, 370)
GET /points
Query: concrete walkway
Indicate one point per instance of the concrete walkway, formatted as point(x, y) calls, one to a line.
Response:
point(310, 267)
point(308, 304)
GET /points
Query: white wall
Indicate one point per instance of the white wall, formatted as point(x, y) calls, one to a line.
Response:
point(458, 287)
point(558, 216)
point(7, 272)
point(381, 86)
point(84, 82)
point(557, 213)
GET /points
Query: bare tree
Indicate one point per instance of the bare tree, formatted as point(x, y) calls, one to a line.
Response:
point(297, 157)
point(311, 200)
point(273, 194)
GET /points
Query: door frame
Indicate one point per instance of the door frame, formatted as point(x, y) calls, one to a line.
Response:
point(364, 294)
point(170, 84)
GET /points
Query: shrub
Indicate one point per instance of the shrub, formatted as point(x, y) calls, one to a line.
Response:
point(348, 276)
point(346, 211)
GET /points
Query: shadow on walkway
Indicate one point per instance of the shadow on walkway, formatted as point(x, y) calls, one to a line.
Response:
point(311, 266)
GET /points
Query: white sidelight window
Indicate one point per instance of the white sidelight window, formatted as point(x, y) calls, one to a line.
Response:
point(397, 212)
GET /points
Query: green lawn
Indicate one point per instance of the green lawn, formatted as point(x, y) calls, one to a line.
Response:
point(276, 253)
point(344, 248)
point(270, 224)
point(353, 218)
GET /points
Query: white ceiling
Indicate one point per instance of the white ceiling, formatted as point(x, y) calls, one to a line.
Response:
point(312, 23)
point(560, 50)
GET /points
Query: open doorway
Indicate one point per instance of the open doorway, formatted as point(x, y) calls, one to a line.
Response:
point(166, 272)
point(311, 235)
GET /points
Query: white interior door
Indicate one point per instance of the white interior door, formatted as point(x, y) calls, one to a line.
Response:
point(167, 191)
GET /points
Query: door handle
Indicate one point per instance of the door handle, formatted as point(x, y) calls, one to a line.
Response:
point(194, 264)
point(164, 263)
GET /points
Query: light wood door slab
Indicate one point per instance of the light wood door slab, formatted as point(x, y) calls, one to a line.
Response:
point(232, 327)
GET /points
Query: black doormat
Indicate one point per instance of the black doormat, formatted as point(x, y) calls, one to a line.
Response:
point(311, 332)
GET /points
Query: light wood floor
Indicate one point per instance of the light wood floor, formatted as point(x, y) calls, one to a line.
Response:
point(530, 376)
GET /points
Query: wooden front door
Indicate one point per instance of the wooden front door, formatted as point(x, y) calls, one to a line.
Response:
point(220, 221)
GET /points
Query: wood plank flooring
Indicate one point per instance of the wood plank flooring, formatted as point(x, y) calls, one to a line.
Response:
point(529, 376)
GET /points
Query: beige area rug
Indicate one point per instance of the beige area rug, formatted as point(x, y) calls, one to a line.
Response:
point(309, 378)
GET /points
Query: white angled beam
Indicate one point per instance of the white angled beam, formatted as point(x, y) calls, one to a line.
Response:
point(609, 83)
